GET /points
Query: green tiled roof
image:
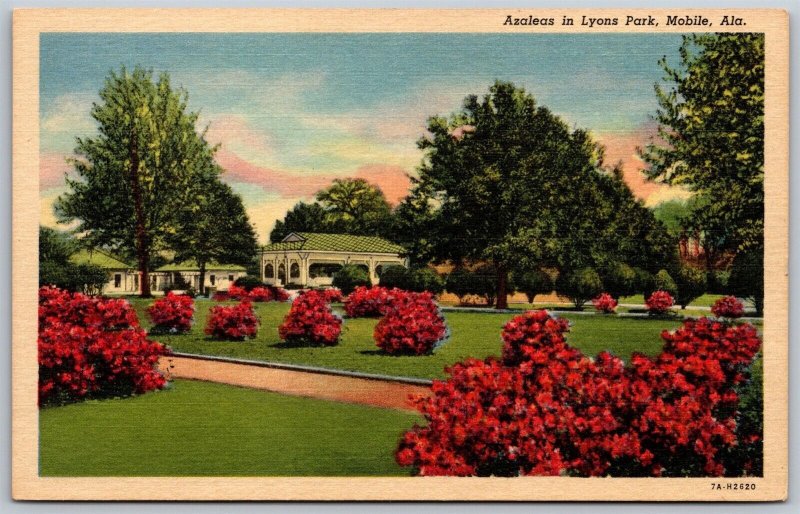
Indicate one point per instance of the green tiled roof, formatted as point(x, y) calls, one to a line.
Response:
point(99, 258)
point(335, 243)
point(192, 266)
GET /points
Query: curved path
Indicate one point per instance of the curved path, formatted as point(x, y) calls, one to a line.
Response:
point(374, 390)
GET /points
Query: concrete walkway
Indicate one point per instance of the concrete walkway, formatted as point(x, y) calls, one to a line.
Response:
point(364, 389)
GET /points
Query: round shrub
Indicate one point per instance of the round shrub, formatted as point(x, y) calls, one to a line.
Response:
point(396, 276)
point(349, 277)
point(580, 286)
point(662, 281)
point(644, 281)
point(237, 293)
point(260, 294)
point(480, 282)
point(546, 409)
point(311, 321)
point(367, 302)
point(93, 347)
point(728, 307)
point(172, 313)
point(619, 280)
point(425, 280)
point(533, 282)
point(691, 284)
point(412, 325)
point(248, 282)
point(605, 303)
point(234, 322)
point(659, 302)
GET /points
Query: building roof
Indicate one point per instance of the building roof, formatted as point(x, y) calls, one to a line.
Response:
point(99, 258)
point(310, 241)
point(192, 266)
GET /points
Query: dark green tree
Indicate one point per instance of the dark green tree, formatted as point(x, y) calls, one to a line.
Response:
point(711, 127)
point(139, 172)
point(215, 228)
point(533, 282)
point(508, 183)
point(354, 206)
point(56, 269)
point(303, 217)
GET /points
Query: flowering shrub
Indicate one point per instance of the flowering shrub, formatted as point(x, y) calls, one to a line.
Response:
point(366, 302)
point(235, 322)
point(659, 302)
point(237, 292)
point(260, 294)
point(172, 313)
point(412, 324)
point(546, 409)
point(728, 307)
point(605, 303)
point(257, 294)
point(333, 294)
point(92, 347)
point(311, 321)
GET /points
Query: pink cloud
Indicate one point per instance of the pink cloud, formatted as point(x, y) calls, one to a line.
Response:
point(622, 148)
point(299, 185)
point(230, 129)
point(52, 168)
point(393, 180)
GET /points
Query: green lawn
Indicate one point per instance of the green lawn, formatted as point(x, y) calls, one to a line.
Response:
point(707, 300)
point(199, 428)
point(472, 335)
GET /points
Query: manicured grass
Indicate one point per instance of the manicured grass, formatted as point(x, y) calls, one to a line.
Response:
point(472, 335)
point(199, 428)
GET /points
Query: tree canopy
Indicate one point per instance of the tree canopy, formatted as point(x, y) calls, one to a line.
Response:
point(711, 126)
point(508, 182)
point(142, 172)
point(347, 206)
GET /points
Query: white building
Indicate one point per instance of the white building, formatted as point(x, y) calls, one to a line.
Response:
point(309, 259)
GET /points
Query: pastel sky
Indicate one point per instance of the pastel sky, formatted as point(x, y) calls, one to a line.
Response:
point(294, 111)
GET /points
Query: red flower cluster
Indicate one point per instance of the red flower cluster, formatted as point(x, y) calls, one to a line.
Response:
point(605, 303)
point(235, 322)
point(412, 324)
point(311, 321)
point(546, 409)
point(728, 307)
point(92, 347)
point(172, 313)
point(257, 294)
point(367, 302)
point(659, 302)
point(333, 294)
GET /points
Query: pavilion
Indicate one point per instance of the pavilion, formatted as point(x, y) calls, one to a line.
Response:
point(307, 259)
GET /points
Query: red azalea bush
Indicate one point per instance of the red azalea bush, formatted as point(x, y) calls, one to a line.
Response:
point(412, 324)
point(333, 294)
point(605, 303)
point(172, 313)
point(365, 302)
point(260, 294)
point(659, 302)
point(92, 347)
point(257, 294)
point(235, 322)
point(546, 409)
point(311, 321)
point(728, 307)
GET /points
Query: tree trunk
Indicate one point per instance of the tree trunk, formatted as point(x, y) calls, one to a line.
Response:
point(502, 287)
point(142, 246)
point(202, 286)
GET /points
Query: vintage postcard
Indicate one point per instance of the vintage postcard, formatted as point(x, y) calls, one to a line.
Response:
point(400, 254)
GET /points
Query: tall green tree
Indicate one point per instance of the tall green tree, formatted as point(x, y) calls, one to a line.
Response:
point(215, 229)
point(355, 206)
point(507, 182)
point(303, 217)
point(711, 126)
point(139, 172)
point(347, 206)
